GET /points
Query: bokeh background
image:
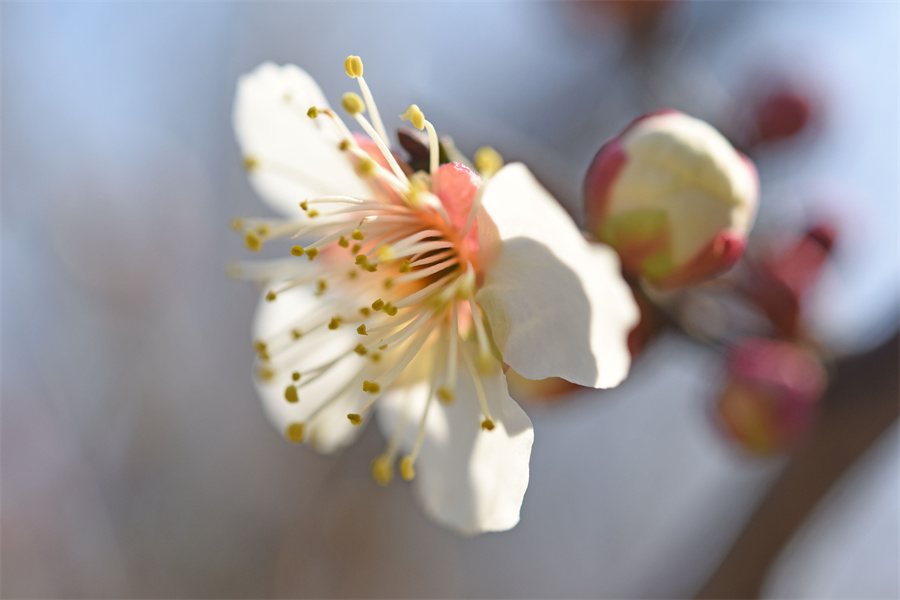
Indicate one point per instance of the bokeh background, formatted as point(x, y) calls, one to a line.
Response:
point(136, 460)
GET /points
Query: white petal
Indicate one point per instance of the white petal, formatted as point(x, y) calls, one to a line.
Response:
point(557, 305)
point(298, 156)
point(330, 429)
point(467, 479)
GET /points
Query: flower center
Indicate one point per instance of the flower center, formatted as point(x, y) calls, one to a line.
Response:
point(396, 274)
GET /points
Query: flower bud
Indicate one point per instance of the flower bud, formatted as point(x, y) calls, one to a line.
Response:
point(782, 114)
point(780, 281)
point(673, 197)
point(772, 395)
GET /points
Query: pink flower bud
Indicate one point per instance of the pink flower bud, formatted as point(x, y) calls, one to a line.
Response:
point(779, 283)
point(772, 394)
point(782, 114)
point(673, 197)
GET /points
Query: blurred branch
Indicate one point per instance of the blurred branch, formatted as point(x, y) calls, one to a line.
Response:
point(858, 408)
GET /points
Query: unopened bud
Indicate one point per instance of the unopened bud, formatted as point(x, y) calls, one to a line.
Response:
point(771, 397)
point(673, 197)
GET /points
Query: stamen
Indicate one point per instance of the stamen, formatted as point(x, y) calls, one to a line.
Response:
point(407, 470)
point(382, 146)
point(252, 241)
point(387, 378)
point(434, 151)
point(290, 394)
point(382, 470)
point(488, 161)
point(445, 392)
point(473, 212)
point(294, 433)
point(353, 104)
point(353, 66)
point(414, 115)
point(485, 358)
point(488, 422)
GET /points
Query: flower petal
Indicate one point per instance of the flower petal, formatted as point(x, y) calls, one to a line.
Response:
point(467, 479)
point(557, 305)
point(340, 387)
point(291, 157)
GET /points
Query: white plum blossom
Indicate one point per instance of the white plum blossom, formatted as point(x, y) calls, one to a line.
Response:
point(407, 294)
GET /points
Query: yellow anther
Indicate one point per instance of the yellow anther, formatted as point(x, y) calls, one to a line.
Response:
point(237, 223)
point(353, 65)
point(295, 375)
point(390, 309)
point(360, 349)
point(407, 471)
point(371, 386)
point(296, 334)
point(361, 330)
point(362, 259)
point(414, 115)
point(252, 241)
point(290, 394)
point(404, 266)
point(343, 242)
point(487, 425)
point(365, 311)
point(382, 470)
point(261, 350)
point(344, 144)
point(294, 433)
point(352, 275)
point(366, 166)
point(313, 112)
point(445, 395)
point(271, 296)
point(386, 252)
point(321, 286)
point(334, 323)
point(297, 250)
point(388, 283)
point(488, 161)
point(378, 304)
point(353, 103)
point(371, 268)
point(312, 213)
point(356, 248)
point(265, 373)
point(312, 253)
point(485, 363)
point(263, 230)
point(375, 357)
point(354, 418)
point(383, 347)
point(250, 163)
point(357, 235)
point(304, 205)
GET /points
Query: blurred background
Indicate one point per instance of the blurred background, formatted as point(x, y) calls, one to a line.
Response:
point(136, 459)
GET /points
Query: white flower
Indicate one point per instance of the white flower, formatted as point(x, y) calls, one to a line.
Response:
point(415, 291)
